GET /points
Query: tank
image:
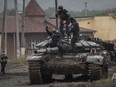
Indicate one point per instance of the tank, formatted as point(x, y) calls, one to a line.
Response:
point(89, 59)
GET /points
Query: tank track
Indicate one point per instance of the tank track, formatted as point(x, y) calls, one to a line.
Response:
point(95, 72)
point(35, 75)
point(38, 74)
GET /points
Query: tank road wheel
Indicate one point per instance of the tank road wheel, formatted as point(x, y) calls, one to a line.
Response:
point(46, 76)
point(85, 73)
point(99, 72)
point(105, 71)
point(35, 72)
point(68, 77)
point(95, 72)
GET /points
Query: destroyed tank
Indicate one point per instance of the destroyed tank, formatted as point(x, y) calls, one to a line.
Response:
point(89, 59)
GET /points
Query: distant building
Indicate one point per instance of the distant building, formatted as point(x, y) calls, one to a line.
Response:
point(104, 25)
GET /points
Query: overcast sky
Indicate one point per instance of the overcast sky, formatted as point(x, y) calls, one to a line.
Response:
point(76, 5)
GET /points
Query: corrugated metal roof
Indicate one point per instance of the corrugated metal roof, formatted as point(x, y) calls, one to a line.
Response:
point(33, 9)
point(31, 26)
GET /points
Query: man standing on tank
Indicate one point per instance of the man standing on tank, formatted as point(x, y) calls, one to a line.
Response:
point(74, 29)
point(63, 16)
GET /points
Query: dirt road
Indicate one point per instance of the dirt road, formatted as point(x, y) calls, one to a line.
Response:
point(17, 76)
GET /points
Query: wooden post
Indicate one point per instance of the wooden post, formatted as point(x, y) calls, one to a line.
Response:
point(14, 34)
point(56, 11)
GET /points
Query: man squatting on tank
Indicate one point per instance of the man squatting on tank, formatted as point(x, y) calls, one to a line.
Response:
point(55, 36)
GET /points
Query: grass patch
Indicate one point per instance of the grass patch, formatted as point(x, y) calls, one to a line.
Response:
point(20, 60)
point(100, 83)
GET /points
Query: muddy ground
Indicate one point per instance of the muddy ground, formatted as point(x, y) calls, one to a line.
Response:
point(17, 76)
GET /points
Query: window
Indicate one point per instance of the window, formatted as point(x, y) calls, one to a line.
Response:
point(32, 44)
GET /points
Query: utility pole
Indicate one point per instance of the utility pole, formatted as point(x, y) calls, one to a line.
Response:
point(17, 29)
point(23, 28)
point(86, 8)
point(4, 30)
point(56, 11)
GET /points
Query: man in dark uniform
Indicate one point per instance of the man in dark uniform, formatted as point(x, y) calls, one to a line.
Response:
point(55, 36)
point(63, 16)
point(3, 60)
point(74, 29)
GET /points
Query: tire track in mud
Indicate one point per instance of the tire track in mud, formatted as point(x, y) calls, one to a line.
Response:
point(17, 76)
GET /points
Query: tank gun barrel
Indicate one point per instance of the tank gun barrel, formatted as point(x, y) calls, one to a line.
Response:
point(47, 50)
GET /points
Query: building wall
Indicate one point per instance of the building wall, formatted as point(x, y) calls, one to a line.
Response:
point(11, 47)
point(104, 25)
point(34, 38)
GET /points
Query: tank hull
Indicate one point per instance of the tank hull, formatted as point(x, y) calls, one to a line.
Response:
point(65, 68)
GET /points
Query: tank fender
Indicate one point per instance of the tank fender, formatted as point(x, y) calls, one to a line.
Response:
point(33, 58)
point(95, 59)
